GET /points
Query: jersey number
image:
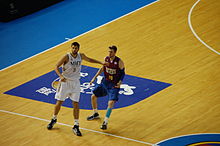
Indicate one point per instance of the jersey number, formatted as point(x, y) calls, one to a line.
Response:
point(110, 77)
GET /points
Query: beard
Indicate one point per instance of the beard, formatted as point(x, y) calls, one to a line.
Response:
point(74, 53)
point(111, 56)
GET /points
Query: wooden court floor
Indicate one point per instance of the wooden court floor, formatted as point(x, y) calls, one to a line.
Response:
point(156, 43)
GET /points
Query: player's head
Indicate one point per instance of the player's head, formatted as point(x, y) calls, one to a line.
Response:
point(112, 51)
point(75, 47)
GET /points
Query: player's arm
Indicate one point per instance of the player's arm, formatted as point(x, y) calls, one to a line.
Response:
point(97, 74)
point(122, 73)
point(84, 57)
point(63, 60)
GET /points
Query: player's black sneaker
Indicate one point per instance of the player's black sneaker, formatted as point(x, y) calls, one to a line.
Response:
point(76, 130)
point(92, 117)
point(104, 126)
point(50, 125)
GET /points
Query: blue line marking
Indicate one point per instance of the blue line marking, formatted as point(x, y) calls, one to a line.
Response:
point(186, 140)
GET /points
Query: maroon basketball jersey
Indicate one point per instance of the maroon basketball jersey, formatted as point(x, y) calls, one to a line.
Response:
point(111, 71)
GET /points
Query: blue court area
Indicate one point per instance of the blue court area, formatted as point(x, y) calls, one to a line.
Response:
point(32, 34)
point(133, 90)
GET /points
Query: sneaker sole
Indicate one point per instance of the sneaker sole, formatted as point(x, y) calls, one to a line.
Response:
point(76, 133)
point(103, 128)
point(93, 118)
point(50, 127)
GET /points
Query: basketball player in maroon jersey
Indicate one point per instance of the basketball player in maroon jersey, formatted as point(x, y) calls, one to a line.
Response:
point(114, 73)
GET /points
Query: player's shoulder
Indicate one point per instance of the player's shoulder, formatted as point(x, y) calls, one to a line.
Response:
point(66, 56)
point(121, 63)
point(118, 59)
point(82, 54)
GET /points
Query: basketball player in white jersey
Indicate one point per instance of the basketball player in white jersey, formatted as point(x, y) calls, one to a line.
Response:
point(69, 85)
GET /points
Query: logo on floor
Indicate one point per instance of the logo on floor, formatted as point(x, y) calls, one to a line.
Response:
point(204, 139)
point(133, 89)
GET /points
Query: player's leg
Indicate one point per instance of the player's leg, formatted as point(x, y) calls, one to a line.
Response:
point(99, 91)
point(94, 103)
point(60, 96)
point(76, 112)
point(95, 114)
point(113, 97)
point(57, 107)
point(75, 96)
point(56, 111)
point(76, 118)
point(108, 113)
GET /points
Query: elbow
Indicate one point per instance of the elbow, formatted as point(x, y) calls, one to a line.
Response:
point(56, 67)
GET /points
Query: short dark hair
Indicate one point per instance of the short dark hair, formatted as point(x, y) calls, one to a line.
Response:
point(75, 44)
point(113, 48)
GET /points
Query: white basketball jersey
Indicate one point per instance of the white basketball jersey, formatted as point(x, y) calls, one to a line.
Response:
point(71, 70)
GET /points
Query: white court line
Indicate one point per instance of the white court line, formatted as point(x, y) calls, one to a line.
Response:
point(68, 39)
point(190, 25)
point(125, 138)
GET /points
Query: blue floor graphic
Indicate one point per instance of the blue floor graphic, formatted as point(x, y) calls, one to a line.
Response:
point(133, 90)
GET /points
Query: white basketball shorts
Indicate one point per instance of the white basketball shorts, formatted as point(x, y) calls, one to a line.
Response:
point(69, 89)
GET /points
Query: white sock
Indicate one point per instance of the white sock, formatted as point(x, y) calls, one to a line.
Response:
point(76, 122)
point(95, 110)
point(106, 120)
point(54, 117)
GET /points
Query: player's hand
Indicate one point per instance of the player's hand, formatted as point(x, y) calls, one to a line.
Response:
point(106, 64)
point(118, 84)
point(92, 81)
point(62, 79)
